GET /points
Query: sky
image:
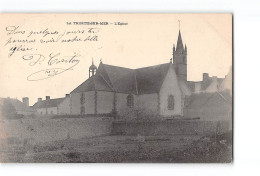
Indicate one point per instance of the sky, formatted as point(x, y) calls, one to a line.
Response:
point(146, 40)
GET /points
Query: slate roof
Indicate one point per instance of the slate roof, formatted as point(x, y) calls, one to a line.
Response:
point(48, 103)
point(18, 105)
point(206, 100)
point(124, 80)
point(150, 79)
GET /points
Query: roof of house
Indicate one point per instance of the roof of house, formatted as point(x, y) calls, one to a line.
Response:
point(48, 103)
point(124, 80)
point(209, 85)
point(18, 105)
point(214, 99)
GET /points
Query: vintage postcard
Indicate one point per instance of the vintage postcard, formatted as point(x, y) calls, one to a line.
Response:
point(116, 88)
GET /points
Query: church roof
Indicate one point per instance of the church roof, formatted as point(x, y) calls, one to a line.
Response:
point(150, 79)
point(48, 103)
point(124, 80)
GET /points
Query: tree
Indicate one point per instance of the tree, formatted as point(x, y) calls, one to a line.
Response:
point(8, 109)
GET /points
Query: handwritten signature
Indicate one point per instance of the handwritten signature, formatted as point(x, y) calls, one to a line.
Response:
point(67, 63)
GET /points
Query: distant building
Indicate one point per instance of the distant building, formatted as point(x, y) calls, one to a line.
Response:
point(208, 84)
point(210, 106)
point(227, 83)
point(58, 106)
point(11, 106)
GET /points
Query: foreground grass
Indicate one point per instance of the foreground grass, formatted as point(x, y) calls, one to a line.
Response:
point(129, 149)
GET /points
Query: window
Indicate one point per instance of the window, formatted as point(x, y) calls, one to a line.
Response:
point(82, 110)
point(82, 98)
point(170, 102)
point(130, 100)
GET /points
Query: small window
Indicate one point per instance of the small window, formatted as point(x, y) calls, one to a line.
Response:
point(130, 100)
point(82, 98)
point(170, 102)
point(82, 110)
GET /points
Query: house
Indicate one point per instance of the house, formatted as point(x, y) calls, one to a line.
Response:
point(11, 107)
point(212, 106)
point(227, 83)
point(58, 106)
point(208, 84)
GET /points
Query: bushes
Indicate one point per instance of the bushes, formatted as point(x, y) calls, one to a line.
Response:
point(138, 114)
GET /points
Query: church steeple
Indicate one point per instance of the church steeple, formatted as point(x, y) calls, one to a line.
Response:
point(180, 58)
point(180, 47)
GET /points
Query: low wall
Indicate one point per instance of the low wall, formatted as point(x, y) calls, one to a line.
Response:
point(174, 127)
point(46, 130)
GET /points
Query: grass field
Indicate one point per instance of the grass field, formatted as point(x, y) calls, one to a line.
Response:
point(124, 149)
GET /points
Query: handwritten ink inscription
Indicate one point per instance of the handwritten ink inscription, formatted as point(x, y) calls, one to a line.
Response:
point(27, 44)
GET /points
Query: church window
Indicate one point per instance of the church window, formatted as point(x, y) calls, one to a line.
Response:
point(82, 98)
point(130, 100)
point(170, 102)
point(82, 110)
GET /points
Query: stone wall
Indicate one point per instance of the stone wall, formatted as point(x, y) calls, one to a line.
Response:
point(105, 102)
point(64, 106)
point(174, 127)
point(46, 130)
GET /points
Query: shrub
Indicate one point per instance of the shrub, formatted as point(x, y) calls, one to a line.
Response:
point(137, 114)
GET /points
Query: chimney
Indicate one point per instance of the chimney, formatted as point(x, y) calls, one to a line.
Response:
point(205, 76)
point(39, 99)
point(48, 97)
point(26, 101)
point(67, 96)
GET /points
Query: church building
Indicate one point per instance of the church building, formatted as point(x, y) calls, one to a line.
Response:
point(161, 89)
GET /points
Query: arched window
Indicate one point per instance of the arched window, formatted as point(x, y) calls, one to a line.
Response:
point(170, 102)
point(130, 100)
point(82, 110)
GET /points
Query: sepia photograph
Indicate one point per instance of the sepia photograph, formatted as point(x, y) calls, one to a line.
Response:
point(116, 88)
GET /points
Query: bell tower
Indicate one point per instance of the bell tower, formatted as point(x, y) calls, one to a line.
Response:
point(92, 69)
point(180, 59)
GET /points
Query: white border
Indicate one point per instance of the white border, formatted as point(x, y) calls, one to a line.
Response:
point(246, 69)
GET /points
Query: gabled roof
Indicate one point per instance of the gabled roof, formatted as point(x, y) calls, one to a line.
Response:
point(205, 100)
point(18, 105)
point(48, 103)
point(124, 80)
point(150, 79)
point(121, 79)
point(96, 82)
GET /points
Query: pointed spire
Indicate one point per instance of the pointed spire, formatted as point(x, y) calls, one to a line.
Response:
point(92, 61)
point(179, 43)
